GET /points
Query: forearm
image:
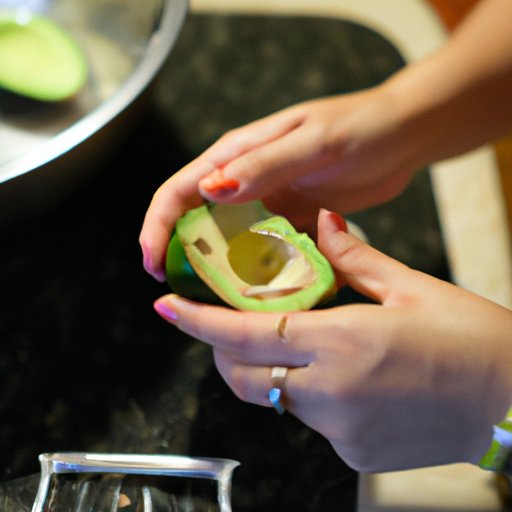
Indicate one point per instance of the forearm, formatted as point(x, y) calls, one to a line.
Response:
point(460, 97)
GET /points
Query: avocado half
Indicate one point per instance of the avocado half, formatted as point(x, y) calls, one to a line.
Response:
point(38, 59)
point(248, 258)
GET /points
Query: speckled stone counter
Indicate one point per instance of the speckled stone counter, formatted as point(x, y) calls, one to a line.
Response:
point(87, 365)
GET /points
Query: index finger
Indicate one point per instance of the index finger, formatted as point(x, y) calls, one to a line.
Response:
point(175, 197)
point(255, 338)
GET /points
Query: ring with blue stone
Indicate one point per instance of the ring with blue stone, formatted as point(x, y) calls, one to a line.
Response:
point(275, 395)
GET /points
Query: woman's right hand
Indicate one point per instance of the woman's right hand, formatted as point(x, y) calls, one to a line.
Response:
point(342, 152)
point(352, 151)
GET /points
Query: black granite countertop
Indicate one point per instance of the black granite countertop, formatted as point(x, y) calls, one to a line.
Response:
point(86, 364)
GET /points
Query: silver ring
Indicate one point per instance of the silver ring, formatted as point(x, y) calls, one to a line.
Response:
point(275, 395)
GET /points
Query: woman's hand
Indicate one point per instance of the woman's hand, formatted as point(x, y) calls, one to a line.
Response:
point(416, 379)
point(344, 153)
point(357, 150)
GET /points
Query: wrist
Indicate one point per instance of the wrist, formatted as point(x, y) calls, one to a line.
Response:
point(424, 110)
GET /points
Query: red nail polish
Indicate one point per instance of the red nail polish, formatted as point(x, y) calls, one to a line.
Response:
point(166, 312)
point(338, 221)
point(216, 183)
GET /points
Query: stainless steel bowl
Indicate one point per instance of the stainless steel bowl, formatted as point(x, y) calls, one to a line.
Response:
point(125, 42)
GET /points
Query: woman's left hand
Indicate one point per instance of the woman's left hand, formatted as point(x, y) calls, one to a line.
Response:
point(416, 379)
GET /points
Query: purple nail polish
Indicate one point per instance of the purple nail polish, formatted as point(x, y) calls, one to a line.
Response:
point(166, 312)
point(148, 265)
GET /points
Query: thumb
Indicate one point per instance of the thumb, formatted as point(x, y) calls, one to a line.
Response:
point(355, 263)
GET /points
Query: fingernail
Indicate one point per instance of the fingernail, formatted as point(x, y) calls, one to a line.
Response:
point(166, 311)
point(157, 274)
point(147, 260)
point(147, 263)
point(338, 223)
point(218, 184)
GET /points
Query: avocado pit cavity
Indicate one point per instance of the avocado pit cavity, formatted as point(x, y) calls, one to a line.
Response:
point(270, 266)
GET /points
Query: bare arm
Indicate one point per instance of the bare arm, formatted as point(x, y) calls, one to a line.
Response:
point(461, 96)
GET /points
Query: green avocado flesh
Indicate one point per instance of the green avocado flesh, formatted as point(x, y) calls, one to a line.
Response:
point(38, 59)
point(248, 258)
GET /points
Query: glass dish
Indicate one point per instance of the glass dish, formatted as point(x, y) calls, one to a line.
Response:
point(97, 482)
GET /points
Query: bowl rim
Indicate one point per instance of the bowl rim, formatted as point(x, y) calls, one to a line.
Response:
point(159, 46)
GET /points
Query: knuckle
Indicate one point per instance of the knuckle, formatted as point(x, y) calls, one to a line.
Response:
point(236, 137)
point(326, 143)
point(256, 162)
point(351, 252)
point(352, 255)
